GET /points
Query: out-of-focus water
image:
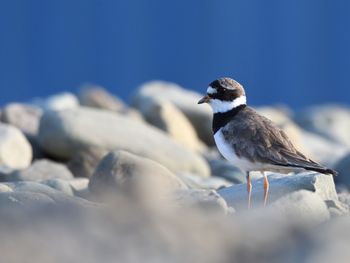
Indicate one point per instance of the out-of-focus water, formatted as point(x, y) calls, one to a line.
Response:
point(291, 52)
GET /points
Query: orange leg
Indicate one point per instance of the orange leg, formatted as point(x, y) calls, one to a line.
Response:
point(249, 189)
point(266, 188)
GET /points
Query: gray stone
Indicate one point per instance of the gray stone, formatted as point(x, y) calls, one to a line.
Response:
point(15, 150)
point(64, 133)
point(199, 182)
point(23, 201)
point(303, 207)
point(58, 197)
point(61, 101)
point(226, 170)
point(165, 116)
point(5, 189)
point(199, 115)
point(330, 121)
point(126, 173)
point(23, 116)
point(343, 169)
point(98, 97)
point(203, 199)
point(43, 170)
point(84, 162)
point(280, 185)
point(60, 185)
point(322, 150)
point(80, 187)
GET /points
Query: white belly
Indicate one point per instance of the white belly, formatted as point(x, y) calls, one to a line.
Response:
point(244, 164)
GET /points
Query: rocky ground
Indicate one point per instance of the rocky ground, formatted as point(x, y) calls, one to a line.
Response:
point(88, 178)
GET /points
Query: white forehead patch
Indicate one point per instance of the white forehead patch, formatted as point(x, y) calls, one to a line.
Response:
point(211, 90)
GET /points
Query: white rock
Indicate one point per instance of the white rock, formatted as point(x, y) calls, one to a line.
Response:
point(165, 116)
point(64, 133)
point(330, 121)
point(280, 185)
point(186, 100)
point(322, 150)
point(24, 117)
point(15, 150)
point(61, 101)
point(43, 170)
point(125, 173)
point(199, 182)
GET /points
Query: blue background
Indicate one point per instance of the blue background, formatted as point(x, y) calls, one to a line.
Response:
point(291, 52)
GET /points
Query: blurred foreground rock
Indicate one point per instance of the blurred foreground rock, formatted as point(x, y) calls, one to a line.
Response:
point(141, 178)
point(15, 150)
point(64, 133)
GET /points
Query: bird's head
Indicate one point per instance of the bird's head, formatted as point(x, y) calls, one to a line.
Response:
point(224, 94)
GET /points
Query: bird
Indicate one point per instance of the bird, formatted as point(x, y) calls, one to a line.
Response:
point(249, 140)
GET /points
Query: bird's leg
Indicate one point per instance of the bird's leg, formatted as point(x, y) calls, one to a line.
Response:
point(249, 189)
point(266, 188)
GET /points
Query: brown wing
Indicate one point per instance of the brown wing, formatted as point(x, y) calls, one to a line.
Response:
point(259, 140)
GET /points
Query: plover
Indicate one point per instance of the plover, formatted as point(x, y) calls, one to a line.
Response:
point(251, 141)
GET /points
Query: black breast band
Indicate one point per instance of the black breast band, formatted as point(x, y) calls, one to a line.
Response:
point(222, 118)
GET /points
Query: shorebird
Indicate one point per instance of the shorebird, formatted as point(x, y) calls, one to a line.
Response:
point(251, 141)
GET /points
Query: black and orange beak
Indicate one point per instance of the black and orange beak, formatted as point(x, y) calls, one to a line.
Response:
point(205, 99)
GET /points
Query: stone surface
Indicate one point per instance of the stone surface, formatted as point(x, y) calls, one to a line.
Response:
point(64, 133)
point(199, 115)
point(43, 170)
point(330, 121)
point(15, 150)
point(280, 185)
point(23, 116)
point(343, 169)
point(322, 150)
point(80, 186)
point(98, 97)
point(84, 162)
point(165, 116)
point(202, 199)
point(61, 101)
point(224, 169)
point(198, 182)
point(302, 206)
point(60, 185)
point(126, 173)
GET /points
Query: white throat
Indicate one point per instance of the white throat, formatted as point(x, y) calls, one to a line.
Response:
point(224, 106)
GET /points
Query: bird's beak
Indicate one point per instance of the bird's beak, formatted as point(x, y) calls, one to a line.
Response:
point(205, 99)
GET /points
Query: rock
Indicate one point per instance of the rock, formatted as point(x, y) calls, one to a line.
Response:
point(5, 173)
point(80, 187)
point(24, 117)
point(199, 115)
point(61, 101)
point(322, 150)
point(303, 207)
point(330, 121)
point(98, 97)
point(60, 185)
point(43, 170)
point(343, 169)
point(280, 185)
point(203, 199)
point(135, 176)
point(15, 150)
point(224, 169)
point(58, 197)
point(84, 162)
point(165, 116)
point(5, 189)
point(329, 242)
point(23, 201)
point(64, 133)
point(208, 183)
